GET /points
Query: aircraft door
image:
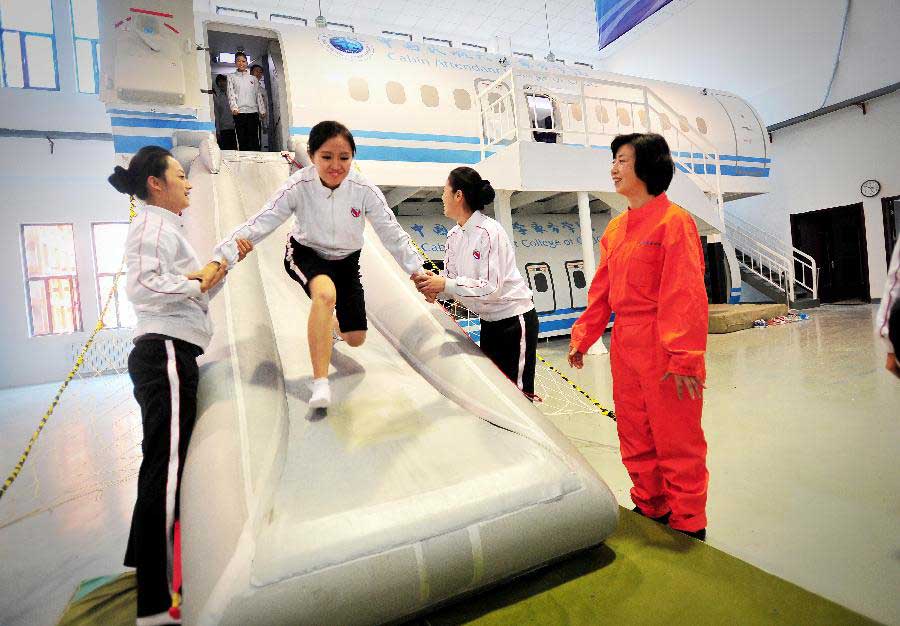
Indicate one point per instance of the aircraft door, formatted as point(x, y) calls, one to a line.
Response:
point(497, 119)
point(540, 280)
point(578, 285)
point(749, 135)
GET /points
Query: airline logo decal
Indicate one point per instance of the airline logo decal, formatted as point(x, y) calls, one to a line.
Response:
point(346, 47)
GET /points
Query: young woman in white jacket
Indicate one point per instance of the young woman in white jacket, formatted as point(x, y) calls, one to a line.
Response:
point(170, 300)
point(480, 272)
point(330, 204)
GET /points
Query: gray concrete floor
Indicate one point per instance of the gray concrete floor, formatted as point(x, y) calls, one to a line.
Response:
point(803, 431)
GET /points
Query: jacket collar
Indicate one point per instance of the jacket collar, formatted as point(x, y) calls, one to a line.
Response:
point(658, 203)
point(176, 219)
point(324, 192)
point(475, 220)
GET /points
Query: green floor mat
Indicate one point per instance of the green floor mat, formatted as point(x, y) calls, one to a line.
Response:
point(645, 573)
point(110, 600)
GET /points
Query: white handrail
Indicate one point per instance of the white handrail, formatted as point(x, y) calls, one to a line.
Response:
point(569, 92)
point(802, 267)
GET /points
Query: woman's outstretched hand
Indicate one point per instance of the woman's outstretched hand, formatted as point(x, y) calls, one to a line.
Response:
point(245, 247)
point(692, 384)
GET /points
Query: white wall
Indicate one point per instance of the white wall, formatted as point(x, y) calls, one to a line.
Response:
point(66, 187)
point(777, 55)
point(821, 163)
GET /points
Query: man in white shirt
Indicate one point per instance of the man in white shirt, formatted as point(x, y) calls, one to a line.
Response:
point(247, 104)
point(257, 72)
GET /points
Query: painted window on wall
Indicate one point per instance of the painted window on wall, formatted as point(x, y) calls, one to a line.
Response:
point(109, 249)
point(51, 279)
point(28, 45)
point(87, 37)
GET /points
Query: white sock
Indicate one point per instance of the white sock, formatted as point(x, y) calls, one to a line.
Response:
point(321, 394)
point(157, 620)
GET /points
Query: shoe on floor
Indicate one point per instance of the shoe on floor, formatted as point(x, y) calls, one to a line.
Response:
point(696, 534)
point(321, 394)
point(662, 519)
point(159, 619)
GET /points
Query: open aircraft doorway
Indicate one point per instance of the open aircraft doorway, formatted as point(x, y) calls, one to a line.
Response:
point(262, 49)
point(542, 113)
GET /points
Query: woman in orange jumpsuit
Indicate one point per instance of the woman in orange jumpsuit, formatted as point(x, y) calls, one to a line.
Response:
point(651, 274)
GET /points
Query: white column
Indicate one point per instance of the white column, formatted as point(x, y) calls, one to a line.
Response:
point(503, 211)
point(587, 238)
point(587, 252)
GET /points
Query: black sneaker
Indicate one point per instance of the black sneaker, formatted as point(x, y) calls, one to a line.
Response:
point(662, 519)
point(696, 534)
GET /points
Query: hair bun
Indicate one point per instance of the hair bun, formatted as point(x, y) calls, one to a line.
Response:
point(487, 192)
point(122, 180)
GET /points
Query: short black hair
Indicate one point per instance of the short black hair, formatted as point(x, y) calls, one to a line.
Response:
point(323, 131)
point(149, 161)
point(476, 190)
point(221, 77)
point(239, 54)
point(254, 66)
point(652, 159)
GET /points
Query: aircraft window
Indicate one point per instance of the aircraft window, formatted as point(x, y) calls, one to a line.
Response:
point(396, 94)
point(429, 96)
point(540, 283)
point(664, 120)
point(683, 123)
point(462, 99)
point(701, 125)
point(602, 115)
point(645, 119)
point(624, 116)
point(578, 278)
point(359, 89)
point(576, 112)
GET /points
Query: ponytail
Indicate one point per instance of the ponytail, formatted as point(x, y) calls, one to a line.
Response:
point(149, 161)
point(477, 191)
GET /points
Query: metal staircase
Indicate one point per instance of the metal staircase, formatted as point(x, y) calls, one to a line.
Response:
point(772, 265)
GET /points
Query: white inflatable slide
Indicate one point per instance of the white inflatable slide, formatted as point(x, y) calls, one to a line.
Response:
point(430, 477)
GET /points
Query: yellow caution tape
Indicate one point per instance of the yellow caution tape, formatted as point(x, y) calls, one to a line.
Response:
point(79, 361)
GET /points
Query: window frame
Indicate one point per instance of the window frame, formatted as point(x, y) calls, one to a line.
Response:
point(234, 12)
point(284, 18)
point(98, 275)
point(437, 41)
point(23, 35)
point(95, 53)
point(74, 287)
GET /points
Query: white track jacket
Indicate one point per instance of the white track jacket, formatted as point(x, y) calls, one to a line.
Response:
point(329, 222)
point(159, 258)
point(480, 270)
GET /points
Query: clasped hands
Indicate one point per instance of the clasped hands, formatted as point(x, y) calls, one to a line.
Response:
point(213, 272)
point(429, 284)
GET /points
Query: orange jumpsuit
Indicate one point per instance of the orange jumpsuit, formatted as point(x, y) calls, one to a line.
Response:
point(651, 274)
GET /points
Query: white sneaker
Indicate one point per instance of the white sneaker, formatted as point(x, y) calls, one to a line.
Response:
point(321, 394)
point(160, 619)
